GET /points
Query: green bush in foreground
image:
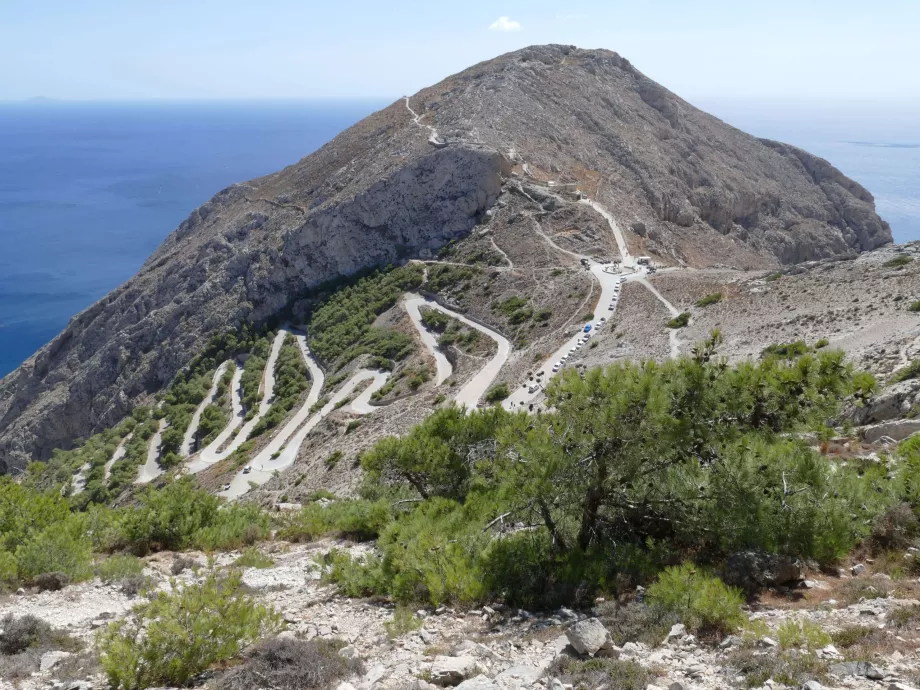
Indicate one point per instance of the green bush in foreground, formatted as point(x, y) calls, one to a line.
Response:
point(703, 602)
point(180, 633)
point(497, 393)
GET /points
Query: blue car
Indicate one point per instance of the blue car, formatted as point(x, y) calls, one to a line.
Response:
point(587, 328)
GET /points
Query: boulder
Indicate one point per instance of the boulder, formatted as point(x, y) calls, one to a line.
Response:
point(51, 659)
point(478, 683)
point(589, 636)
point(753, 570)
point(861, 669)
point(896, 430)
point(452, 670)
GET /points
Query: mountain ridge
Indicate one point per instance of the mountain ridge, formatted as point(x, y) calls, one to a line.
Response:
point(686, 188)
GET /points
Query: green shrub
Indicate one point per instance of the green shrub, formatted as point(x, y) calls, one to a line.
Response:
point(898, 262)
point(62, 548)
point(795, 634)
point(786, 350)
point(680, 320)
point(354, 519)
point(911, 371)
point(403, 622)
point(497, 393)
point(119, 567)
point(702, 601)
point(182, 632)
point(713, 298)
point(823, 342)
point(543, 315)
point(253, 558)
point(180, 516)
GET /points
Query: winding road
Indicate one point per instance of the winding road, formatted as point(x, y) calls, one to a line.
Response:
point(116, 456)
point(473, 391)
point(263, 468)
point(212, 454)
point(189, 439)
point(151, 469)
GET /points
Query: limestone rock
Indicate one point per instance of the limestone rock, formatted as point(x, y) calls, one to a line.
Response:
point(862, 669)
point(51, 659)
point(752, 570)
point(589, 636)
point(452, 670)
point(478, 683)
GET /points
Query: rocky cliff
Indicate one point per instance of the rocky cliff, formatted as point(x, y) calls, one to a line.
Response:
point(687, 187)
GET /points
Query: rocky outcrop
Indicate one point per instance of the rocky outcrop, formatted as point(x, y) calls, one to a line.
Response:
point(692, 189)
point(234, 260)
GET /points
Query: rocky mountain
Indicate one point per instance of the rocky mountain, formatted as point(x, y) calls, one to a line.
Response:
point(469, 157)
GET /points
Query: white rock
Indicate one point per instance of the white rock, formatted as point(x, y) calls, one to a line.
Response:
point(677, 630)
point(51, 659)
point(812, 685)
point(478, 683)
point(452, 670)
point(589, 636)
point(858, 569)
point(900, 686)
point(349, 652)
point(768, 642)
point(345, 686)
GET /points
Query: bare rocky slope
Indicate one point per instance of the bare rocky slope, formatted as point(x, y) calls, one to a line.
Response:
point(685, 187)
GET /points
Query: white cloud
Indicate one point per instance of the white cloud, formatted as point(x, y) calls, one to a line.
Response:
point(505, 24)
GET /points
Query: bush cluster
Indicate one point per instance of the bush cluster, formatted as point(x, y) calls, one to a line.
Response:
point(340, 327)
point(636, 465)
point(179, 634)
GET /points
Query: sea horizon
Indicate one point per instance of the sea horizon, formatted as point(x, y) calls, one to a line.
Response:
point(91, 188)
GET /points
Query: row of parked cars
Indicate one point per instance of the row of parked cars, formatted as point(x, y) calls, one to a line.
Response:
point(580, 343)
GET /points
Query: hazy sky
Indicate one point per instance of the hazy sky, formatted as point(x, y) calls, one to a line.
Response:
point(128, 49)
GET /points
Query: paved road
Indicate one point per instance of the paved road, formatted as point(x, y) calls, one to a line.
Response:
point(79, 479)
point(444, 367)
point(474, 390)
point(151, 469)
point(117, 455)
point(263, 469)
point(211, 454)
point(189, 439)
point(627, 259)
point(521, 397)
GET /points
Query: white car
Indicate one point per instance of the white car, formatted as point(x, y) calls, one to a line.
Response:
point(612, 306)
point(578, 347)
point(226, 487)
point(247, 470)
point(556, 366)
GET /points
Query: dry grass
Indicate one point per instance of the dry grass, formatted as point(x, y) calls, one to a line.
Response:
point(285, 664)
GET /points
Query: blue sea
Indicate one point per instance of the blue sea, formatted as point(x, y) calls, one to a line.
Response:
point(88, 191)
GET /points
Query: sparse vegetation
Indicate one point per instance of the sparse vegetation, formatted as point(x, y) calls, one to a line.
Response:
point(713, 298)
point(286, 664)
point(701, 601)
point(899, 261)
point(680, 320)
point(595, 673)
point(180, 633)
